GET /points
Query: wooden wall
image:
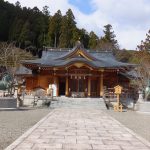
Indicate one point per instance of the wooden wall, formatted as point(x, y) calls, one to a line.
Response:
point(38, 81)
point(110, 79)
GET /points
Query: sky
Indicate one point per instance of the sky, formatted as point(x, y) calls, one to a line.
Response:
point(130, 19)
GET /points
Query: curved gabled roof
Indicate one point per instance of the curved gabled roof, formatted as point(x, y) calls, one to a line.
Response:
point(77, 51)
point(58, 58)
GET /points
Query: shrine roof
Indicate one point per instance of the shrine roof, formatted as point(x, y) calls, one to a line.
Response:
point(133, 74)
point(23, 71)
point(66, 57)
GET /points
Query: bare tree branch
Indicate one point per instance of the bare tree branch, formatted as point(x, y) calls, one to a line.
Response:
point(10, 55)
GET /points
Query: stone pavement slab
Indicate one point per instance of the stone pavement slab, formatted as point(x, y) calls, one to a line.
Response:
point(79, 129)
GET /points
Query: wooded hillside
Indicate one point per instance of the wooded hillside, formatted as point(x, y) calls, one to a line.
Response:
point(31, 29)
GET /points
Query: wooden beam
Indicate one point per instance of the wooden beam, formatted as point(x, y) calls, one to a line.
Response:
point(89, 86)
point(101, 83)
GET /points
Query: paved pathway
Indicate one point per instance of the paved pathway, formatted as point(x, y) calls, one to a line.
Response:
point(79, 128)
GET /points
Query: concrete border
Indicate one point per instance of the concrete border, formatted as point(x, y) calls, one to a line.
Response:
point(27, 133)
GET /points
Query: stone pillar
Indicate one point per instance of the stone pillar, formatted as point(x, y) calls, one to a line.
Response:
point(67, 86)
point(101, 84)
point(89, 86)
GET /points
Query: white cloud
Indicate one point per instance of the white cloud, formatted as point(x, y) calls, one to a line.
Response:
point(129, 18)
point(130, 38)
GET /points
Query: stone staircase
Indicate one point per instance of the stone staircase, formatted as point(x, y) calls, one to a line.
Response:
point(66, 102)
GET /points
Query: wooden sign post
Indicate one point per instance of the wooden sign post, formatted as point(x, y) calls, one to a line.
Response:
point(118, 106)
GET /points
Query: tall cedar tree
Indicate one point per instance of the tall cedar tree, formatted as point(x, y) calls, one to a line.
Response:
point(34, 28)
point(93, 40)
point(67, 27)
point(108, 41)
point(54, 29)
point(26, 26)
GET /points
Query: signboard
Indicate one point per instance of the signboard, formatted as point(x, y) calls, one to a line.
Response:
point(118, 89)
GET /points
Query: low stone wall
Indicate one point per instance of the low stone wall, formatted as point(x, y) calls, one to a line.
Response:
point(143, 106)
point(8, 102)
point(28, 100)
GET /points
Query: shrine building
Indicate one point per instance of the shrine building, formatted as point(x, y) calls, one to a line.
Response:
point(76, 72)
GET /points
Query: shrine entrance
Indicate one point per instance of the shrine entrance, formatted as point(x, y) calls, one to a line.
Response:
point(78, 86)
point(62, 86)
point(82, 82)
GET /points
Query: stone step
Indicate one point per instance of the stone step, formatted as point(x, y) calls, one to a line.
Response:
point(68, 102)
point(79, 103)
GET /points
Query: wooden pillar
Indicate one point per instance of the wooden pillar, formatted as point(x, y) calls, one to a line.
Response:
point(38, 80)
point(57, 85)
point(89, 86)
point(101, 83)
point(67, 86)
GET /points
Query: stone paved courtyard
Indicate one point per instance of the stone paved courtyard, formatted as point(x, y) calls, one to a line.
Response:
point(79, 127)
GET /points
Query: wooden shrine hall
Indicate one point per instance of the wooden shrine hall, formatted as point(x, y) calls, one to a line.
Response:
point(76, 72)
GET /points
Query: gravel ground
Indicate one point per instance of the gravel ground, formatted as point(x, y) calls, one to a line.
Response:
point(138, 122)
point(13, 123)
